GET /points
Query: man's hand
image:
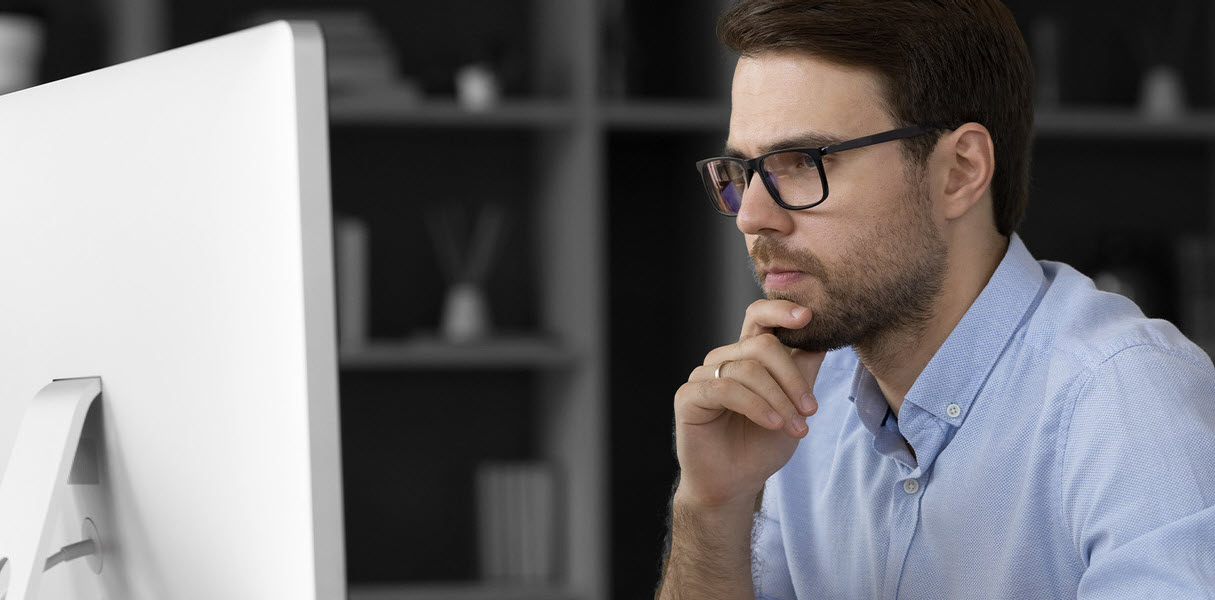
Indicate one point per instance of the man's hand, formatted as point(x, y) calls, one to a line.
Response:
point(735, 429)
point(738, 420)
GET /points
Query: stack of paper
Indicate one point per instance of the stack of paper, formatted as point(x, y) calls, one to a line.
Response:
point(516, 504)
point(358, 53)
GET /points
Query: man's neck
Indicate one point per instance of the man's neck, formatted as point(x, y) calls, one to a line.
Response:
point(897, 358)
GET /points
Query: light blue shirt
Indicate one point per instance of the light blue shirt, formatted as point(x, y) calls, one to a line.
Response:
point(1064, 448)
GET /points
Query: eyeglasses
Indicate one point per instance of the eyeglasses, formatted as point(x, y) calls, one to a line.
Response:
point(794, 178)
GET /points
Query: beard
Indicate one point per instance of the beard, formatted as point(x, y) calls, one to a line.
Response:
point(887, 283)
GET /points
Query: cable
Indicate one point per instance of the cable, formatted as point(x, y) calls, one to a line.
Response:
point(70, 552)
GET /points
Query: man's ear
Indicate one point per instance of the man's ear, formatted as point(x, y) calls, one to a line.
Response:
point(970, 160)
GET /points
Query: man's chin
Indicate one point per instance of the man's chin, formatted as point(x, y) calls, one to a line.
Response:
point(808, 341)
point(799, 295)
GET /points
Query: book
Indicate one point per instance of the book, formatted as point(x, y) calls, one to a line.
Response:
point(351, 249)
point(516, 522)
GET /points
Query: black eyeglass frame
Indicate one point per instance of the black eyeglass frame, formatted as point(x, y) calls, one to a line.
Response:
point(750, 166)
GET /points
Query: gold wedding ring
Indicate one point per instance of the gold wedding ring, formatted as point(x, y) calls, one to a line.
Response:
point(717, 371)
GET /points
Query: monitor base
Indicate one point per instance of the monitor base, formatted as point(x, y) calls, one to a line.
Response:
point(43, 460)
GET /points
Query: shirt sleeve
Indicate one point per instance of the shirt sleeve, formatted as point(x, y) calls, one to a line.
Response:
point(1138, 476)
point(769, 567)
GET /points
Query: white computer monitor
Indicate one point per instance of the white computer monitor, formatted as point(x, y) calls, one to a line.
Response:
point(165, 230)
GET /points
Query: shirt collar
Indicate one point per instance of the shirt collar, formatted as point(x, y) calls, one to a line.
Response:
point(962, 364)
point(871, 405)
point(875, 414)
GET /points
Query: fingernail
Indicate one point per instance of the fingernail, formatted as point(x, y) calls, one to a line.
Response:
point(807, 403)
point(798, 312)
point(774, 418)
point(799, 425)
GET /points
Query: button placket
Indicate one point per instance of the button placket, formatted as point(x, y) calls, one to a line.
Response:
point(906, 519)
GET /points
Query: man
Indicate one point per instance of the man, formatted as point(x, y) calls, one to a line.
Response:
point(980, 424)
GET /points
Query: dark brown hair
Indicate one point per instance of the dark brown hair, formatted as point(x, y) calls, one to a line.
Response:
point(941, 62)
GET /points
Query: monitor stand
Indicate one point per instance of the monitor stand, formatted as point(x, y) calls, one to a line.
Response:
point(47, 455)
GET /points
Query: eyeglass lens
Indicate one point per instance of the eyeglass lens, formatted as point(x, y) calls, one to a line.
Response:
point(794, 175)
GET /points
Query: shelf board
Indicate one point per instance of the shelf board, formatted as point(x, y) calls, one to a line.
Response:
point(456, 591)
point(668, 115)
point(1074, 122)
point(492, 353)
point(1102, 122)
point(398, 106)
point(390, 106)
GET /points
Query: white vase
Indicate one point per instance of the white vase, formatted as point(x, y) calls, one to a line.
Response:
point(20, 51)
point(1162, 93)
point(465, 313)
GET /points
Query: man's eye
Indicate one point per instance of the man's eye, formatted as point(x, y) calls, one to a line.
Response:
point(789, 161)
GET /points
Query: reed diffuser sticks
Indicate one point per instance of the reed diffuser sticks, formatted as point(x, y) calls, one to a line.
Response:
point(465, 258)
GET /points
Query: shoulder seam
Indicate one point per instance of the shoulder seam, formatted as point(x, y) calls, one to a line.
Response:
point(1091, 360)
point(1080, 383)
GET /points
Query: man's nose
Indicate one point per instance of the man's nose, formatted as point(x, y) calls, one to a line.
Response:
point(758, 211)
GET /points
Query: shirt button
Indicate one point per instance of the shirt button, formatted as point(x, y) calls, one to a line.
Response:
point(953, 410)
point(910, 486)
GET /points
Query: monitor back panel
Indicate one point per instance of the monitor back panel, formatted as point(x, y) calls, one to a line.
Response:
point(165, 224)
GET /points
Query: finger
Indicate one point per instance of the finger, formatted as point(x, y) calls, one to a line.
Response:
point(765, 315)
point(752, 375)
point(700, 402)
point(777, 360)
point(808, 364)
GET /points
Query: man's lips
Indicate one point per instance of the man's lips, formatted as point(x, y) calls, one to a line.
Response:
point(775, 269)
point(781, 278)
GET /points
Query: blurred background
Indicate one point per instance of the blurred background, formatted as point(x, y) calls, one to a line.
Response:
point(528, 270)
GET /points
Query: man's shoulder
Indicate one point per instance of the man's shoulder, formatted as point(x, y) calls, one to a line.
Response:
point(1077, 323)
point(1104, 365)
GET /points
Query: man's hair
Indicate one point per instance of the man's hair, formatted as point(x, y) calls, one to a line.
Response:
point(941, 63)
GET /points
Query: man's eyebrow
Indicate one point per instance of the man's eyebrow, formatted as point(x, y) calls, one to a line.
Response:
point(814, 139)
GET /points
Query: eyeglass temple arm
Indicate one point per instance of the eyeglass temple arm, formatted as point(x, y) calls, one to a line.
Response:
point(877, 138)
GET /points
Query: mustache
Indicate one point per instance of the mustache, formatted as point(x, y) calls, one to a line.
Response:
point(767, 250)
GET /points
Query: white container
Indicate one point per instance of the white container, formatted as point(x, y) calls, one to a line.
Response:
point(21, 39)
point(465, 313)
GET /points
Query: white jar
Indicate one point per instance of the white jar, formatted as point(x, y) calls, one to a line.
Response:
point(21, 38)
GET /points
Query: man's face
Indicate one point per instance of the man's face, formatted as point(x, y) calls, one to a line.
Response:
point(868, 260)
